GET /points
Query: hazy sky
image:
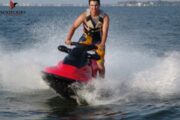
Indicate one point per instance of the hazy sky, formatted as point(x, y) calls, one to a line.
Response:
point(70, 1)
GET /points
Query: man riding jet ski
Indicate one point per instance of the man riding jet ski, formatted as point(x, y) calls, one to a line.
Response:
point(78, 66)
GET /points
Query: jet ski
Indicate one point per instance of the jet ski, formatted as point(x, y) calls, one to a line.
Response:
point(79, 66)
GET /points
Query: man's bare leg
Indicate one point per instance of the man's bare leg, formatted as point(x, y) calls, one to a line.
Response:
point(101, 70)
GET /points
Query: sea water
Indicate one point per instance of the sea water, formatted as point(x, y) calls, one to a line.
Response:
point(142, 65)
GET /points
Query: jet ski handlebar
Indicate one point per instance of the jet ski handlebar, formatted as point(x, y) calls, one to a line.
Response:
point(63, 48)
point(77, 44)
point(94, 56)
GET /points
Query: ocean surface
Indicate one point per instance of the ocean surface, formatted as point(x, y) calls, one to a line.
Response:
point(142, 65)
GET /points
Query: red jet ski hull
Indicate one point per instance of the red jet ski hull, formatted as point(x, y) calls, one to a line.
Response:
point(62, 76)
point(77, 67)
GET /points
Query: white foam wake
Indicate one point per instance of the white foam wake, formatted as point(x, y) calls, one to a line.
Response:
point(20, 70)
point(146, 77)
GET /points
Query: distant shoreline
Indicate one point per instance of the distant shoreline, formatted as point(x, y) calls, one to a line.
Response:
point(118, 4)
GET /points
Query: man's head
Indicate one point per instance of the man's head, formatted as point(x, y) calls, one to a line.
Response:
point(98, 1)
point(94, 6)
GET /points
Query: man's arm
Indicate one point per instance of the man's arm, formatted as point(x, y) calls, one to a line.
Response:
point(75, 25)
point(105, 29)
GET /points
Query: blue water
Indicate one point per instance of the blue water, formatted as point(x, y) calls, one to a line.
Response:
point(142, 65)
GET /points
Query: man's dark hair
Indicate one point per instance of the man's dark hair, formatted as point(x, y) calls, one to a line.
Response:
point(95, 0)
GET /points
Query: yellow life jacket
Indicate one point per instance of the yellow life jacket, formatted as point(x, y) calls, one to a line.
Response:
point(93, 25)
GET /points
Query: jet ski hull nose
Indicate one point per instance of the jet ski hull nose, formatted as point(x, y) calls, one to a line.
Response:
point(60, 84)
